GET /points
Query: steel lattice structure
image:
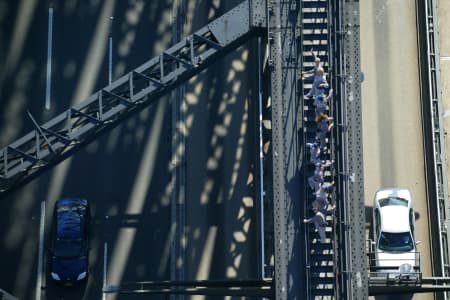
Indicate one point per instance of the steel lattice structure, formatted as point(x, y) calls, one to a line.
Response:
point(68, 132)
point(280, 22)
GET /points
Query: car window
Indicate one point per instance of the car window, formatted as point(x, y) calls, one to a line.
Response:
point(393, 201)
point(411, 221)
point(377, 221)
point(395, 242)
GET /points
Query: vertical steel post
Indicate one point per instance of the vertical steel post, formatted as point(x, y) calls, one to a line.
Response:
point(353, 167)
point(283, 61)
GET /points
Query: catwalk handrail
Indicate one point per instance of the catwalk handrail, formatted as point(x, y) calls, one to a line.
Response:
point(434, 140)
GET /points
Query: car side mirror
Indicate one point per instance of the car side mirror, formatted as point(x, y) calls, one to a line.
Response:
point(418, 242)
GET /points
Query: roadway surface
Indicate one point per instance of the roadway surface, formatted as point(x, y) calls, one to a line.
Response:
point(221, 157)
point(392, 131)
point(126, 174)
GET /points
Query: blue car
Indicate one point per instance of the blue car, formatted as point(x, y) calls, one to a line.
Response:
point(70, 242)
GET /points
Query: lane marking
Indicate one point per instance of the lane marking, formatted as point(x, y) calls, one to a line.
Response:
point(110, 50)
point(49, 58)
point(41, 252)
point(261, 158)
point(105, 276)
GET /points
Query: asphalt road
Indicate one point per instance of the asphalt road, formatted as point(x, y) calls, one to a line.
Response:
point(126, 173)
point(392, 130)
point(221, 165)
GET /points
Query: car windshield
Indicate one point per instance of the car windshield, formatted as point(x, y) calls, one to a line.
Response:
point(393, 201)
point(67, 248)
point(396, 242)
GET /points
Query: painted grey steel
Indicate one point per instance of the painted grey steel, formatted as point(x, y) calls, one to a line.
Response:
point(66, 133)
point(353, 185)
point(48, 85)
point(40, 264)
point(436, 110)
point(261, 158)
point(402, 289)
point(105, 268)
point(339, 63)
point(242, 288)
point(5, 296)
point(110, 50)
point(178, 160)
point(279, 158)
point(379, 286)
point(285, 146)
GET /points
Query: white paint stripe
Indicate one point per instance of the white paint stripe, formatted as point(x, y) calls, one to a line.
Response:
point(40, 252)
point(110, 61)
point(105, 276)
point(445, 57)
point(49, 58)
point(111, 18)
point(261, 157)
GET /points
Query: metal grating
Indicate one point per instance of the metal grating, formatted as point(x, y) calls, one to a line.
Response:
point(319, 257)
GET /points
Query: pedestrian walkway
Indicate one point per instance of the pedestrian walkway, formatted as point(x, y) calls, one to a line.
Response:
point(319, 196)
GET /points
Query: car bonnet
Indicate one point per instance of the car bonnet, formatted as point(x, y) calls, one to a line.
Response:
point(69, 269)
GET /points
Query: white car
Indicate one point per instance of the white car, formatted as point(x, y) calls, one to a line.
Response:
point(394, 232)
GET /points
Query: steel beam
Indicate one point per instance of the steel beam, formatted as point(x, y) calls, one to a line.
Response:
point(434, 138)
point(283, 60)
point(68, 132)
point(242, 288)
point(356, 278)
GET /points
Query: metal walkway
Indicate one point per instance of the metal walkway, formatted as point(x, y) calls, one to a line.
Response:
point(319, 256)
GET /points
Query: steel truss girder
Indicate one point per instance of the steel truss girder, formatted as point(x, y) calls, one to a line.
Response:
point(434, 139)
point(356, 276)
point(68, 132)
point(284, 64)
point(242, 288)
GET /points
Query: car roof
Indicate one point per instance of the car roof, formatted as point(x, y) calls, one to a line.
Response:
point(70, 224)
point(394, 218)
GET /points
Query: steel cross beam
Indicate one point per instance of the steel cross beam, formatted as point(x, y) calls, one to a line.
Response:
point(242, 288)
point(54, 141)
